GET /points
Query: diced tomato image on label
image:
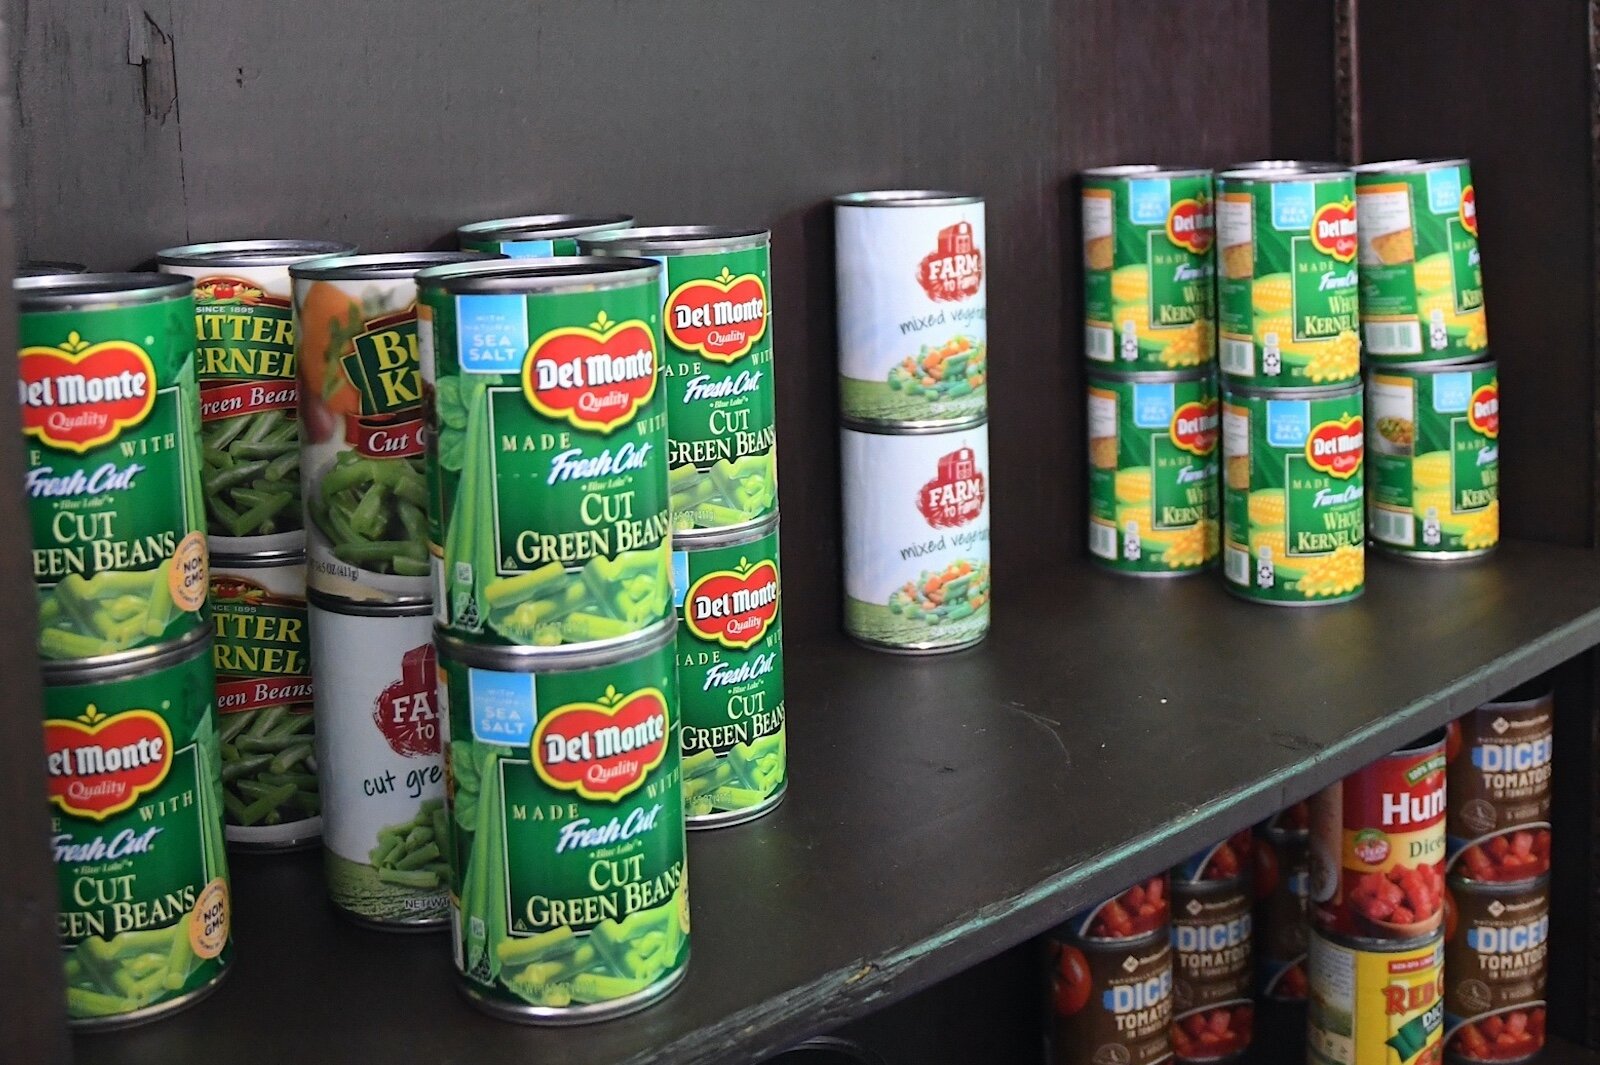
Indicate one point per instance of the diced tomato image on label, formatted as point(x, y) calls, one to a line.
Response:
point(80, 395)
point(602, 750)
point(99, 765)
point(720, 317)
point(596, 377)
point(953, 271)
point(733, 609)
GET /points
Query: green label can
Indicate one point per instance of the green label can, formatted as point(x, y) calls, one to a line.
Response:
point(536, 236)
point(1288, 289)
point(730, 677)
point(1421, 277)
point(110, 421)
point(132, 763)
point(1153, 502)
point(264, 720)
point(548, 437)
point(1434, 434)
point(1293, 495)
point(1148, 269)
point(567, 796)
point(722, 453)
point(245, 353)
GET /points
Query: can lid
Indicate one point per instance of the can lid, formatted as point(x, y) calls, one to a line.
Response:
point(671, 240)
point(1255, 392)
point(1462, 365)
point(1153, 170)
point(65, 292)
point(1407, 166)
point(399, 264)
point(147, 660)
point(367, 608)
point(542, 226)
point(913, 428)
point(509, 659)
point(258, 560)
point(577, 273)
point(1281, 170)
point(45, 267)
point(906, 198)
point(250, 252)
point(706, 539)
point(1148, 377)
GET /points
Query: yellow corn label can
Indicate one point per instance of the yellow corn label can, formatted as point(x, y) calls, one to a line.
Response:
point(1375, 1007)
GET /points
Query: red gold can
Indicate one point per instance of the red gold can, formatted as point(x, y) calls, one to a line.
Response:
point(1224, 860)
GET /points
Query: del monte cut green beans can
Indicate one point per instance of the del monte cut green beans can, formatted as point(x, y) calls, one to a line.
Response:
point(717, 370)
point(245, 358)
point(110, 422)
point(548, 454)
point(572, 894)
point(536, 236)
point(361, 423)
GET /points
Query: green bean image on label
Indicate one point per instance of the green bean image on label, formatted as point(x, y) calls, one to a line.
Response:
point(132, 765)
point(571, 898)
point(110, 420)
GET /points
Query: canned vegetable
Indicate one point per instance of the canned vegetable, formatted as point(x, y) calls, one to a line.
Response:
point(1372, 1007)
point(1498, 820)
point(1134, 914)
point(1282, 878)
point(536, 236)
point(1225, 860)
point(1212, 1013)
point(1110, 1002)
point(1496, 953)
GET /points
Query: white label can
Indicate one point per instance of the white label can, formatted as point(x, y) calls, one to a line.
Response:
point(916, 537)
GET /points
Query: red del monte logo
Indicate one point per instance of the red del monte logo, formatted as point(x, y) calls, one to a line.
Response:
point(1335, 448)
point(99, 765)
point(734, 608)
point(1333, 230)
point(1190, 225)
point(954, 269)
point(604, 749)
point(596, 377)
point(1484, 413)
point(955, 496)
point(405, 712)
point(80, 395)
point(721, 317)
point(1194, 427)
point(1469, 210)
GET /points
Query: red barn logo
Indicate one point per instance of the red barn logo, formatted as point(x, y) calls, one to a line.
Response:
point(1335, 448)
point(955, 496)
point(953, 271)
point(1484, 413)
point(602, 750)
point(1194, 427)
point(734, 608)
point(405, 712)
point(1333, 230)
point(98, 765)
point(720, 317)
point(594, 377)
point(80, 395)
point(1190, 225)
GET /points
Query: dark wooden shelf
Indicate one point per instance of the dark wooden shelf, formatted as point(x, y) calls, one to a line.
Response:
point(942, 810)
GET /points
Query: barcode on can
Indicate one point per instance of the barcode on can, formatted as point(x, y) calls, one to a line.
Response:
point(1103, 540)
point(1236, 565)
point(1393, 338)
point(1394, 527)
point(1237, 356)
point(1099, 343)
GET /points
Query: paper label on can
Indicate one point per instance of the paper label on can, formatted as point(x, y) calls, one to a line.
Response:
point(1374, 1008)
point(1110, 1004)
point(1496, 957)
point(1500, 759)
point(1213, 1015)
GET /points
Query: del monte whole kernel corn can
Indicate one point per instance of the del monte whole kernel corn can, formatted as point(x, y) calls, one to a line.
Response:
point(536, 236)
point(1148, 267)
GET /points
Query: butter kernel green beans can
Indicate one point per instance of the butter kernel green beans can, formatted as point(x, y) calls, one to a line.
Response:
point(245, 354)
point(380, 743)
point(716, 308)
point(536, 236)
point(571, 894)
point(547, 429)
point(730, 676)
point(361, 423)
point(110, 421)
point(264, 706)
point(133, 771)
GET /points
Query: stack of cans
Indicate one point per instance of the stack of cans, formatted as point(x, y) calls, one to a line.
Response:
point(1213, 1012)
point(1282, 877)
point(913, 396)
point(110, 416)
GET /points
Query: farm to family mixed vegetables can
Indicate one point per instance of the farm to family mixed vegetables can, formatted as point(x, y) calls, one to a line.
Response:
point(385, 830)
point(1213, 1014)
point(1149, 267)
point(1153, 498)
point(1282, 884)
point(245, 356)
point(1433, 432)
point(1293, 494)
point(132, 762)
point(1378, 848)
point(916, 537)
point(716, 307)
point(568, 804)
point(1375, 1007)
point(536, 236)
point(913, 310)
point(548, 424)
point(1110, 1002)
point(1421, 276)
point(110, 420)
point(262, 655)
point(361, 424)
point(1496, 959)
point(1288, 291)
point(1498, 819)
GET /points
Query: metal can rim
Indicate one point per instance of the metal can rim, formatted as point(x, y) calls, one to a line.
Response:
point(906, 198)
point(366, 608)
point(1432, 941)
point(1150, 377)
point(1268, 170)
point(259, 560)
point(1430, 739)
point(1239, 882)
point(643, 241)
point(1065, 934)
point(540, 226)
point(715, 538)
point(575, 273)
point(1499, 887)
point(380, 266)
point(71, 674)
point(856, 425)
point(1406, 166)
point(251, 252)
point(1353, 388)
point(1467, 362)
point(1150, 170)
point(518, 659)
point(68, 292)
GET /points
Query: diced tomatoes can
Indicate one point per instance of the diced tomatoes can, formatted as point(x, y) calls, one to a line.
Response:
point(1282, 888)
point(1375, 1007)
point(913, 307)
point(1498, 819)
point(1293, 489)
point(536, 236)
point(1226, 859)
point(1496, 961)
point(1378, 849)
point(1433, 436)
point(1154, 504)
point(916, 537)
point(1213, 1013)
point(1148, 267)
point(1132, 914)
point(1109, 1002)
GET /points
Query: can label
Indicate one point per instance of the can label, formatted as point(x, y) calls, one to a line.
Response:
point(1375, 1007)
point(1421, 278)
point(1110, 1003)
point(1153, 500)
point(1377, 849)
point(913, 313)
point(567, 797)
point(1435, 442)
point(1148, 271)
point(1288, 290)
point(1496, 958)
point(264, 704)
point(551, 440)
point(1282, 884)
point(1499, 786)
point(916, 537)
point(386, 834)
point(1225, 860)
point(730, 677)
point(110, 422)
point(136, 828)
point(1293, 497)
point(1134, 914)
point(722, 437)
point(1212, 1012)
point(362, 445)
